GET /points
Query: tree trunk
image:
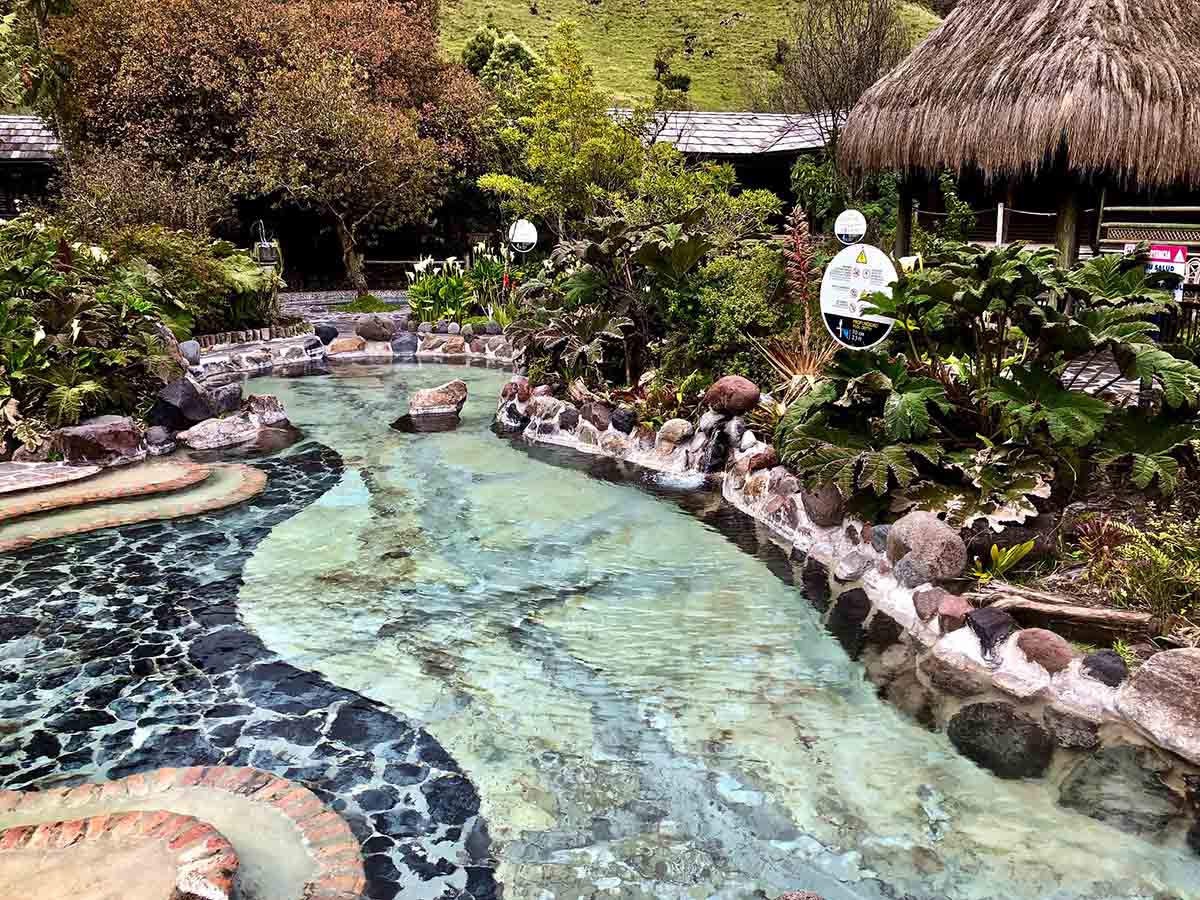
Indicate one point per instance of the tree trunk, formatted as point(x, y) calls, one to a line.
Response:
point(1067, 237)
point(904, 215)
point(352, 259)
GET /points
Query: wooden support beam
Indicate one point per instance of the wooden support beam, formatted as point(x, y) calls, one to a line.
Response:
point(1067, 226)
point(904, 217)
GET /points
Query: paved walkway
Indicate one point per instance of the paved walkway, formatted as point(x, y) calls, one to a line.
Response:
point(1093, 374)
point(316, 306)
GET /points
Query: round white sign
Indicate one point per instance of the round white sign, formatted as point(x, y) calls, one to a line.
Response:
point(851, 277)
point(522, 235)
point(850, 226)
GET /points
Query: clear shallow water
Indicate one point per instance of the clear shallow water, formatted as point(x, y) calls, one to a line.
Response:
point(647, 708)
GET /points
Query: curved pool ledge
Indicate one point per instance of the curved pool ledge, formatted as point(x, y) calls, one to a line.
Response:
point(123, 651)
point(647, 705)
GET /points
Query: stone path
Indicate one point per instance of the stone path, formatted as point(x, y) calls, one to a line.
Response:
point(152, 477)
point(15, 476)
point(224, 485)
point(122, 651)
point(1091, 374)
point(316, 306)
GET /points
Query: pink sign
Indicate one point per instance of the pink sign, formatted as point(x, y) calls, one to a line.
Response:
point(1168, 253)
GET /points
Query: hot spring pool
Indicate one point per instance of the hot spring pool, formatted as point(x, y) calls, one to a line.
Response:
point(648, 708)
point(645, 704)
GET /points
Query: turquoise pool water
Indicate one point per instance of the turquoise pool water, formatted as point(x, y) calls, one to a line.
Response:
point(648, 707)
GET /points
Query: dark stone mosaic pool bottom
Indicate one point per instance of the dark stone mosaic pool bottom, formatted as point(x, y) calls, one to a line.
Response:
point(122, 651)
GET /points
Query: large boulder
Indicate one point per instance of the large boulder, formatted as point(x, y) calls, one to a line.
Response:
point(992, 626)
point(1121, 787)
point(732, 395)
point(375, 327)
point(1049, 650)
point(259, 415)
point(225, 398)
point(517, 388)
point(929, 549)
point(675, 431)
point(444, 400)
point(185, 401)
point(347, 344)
point(999, 738)
point(597, 413)
point(1162, 699)
point(327, 333)
point(267, 409)
point(1106, 666)
point(824, 506)
point(191, 352)
point(101, 441)
point(404, 344)
point(214, 434)
point(624, 418)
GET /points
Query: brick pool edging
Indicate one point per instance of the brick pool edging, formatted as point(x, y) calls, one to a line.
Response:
point(324, 834)
point(205, 863)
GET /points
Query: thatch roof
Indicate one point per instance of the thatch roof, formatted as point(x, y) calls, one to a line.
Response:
point(1004, 86)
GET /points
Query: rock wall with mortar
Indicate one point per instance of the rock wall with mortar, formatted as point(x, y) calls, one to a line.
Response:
point(1126, 752)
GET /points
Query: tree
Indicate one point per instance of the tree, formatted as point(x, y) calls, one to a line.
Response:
point(568, 154)
point(136, 86)
point(320, 140)
point(134, 83)
point(835, 51)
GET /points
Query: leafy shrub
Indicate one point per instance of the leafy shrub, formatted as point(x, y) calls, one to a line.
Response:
point(206, 286)
point(709, 316)
point(367, 303)
point(105, 191)
point(80, 330)
point(439, 292)
point(976, 419)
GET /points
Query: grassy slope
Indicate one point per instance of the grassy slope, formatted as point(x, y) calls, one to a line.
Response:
point(621, 37)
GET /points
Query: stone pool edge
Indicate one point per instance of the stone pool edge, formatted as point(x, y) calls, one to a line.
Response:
point(902, 653)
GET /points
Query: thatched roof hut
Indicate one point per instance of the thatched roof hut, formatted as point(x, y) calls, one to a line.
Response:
point(1017, 87)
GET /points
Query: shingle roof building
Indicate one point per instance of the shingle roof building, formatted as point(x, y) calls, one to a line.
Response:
point(740, 133)
point(27, 139)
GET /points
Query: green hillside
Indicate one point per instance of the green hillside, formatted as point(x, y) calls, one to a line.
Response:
point(621, 37)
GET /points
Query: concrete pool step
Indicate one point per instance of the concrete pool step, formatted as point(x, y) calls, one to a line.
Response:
point(225, 485)
point(157, 476)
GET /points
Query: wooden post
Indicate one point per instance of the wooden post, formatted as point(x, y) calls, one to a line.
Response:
point(1068, 226)
point(904, 216)
point(1001, 226)
point(1098, 231)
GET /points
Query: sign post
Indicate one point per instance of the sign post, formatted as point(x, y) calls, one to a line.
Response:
point(852, 276)
point(523, 235)
point(850, 226)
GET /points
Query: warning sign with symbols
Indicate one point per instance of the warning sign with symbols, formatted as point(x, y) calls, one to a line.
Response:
point(852, 276)
point(1169, 258)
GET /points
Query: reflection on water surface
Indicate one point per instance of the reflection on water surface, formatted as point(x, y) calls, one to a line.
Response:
point(648, 705)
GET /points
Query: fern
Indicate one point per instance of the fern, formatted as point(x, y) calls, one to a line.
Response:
point(824, 455)
point(1150, 448)
point(1032, 399)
